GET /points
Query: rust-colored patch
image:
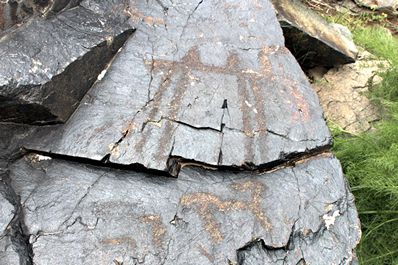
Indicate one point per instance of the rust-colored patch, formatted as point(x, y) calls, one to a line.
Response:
point(206, 203)
point(179, 73)
point(158, 228)
point(303, 109)
point(257, 189)
point(2, 16)
point(154, 20)
point(136, 16)
point(120, 241)
point(206, 253)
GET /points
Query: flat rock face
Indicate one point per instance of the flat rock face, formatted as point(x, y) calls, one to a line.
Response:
point(312, 40)
point(209, 82)
point(86, 215)
point(48, 65)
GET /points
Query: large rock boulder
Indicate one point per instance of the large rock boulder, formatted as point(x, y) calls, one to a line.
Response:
point(206, 92)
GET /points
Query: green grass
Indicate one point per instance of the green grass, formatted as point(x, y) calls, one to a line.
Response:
point(370, 160)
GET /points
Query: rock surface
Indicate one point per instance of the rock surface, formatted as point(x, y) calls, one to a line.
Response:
point(206, 91)
point(379, 4)
point(6, 213)
point(57, 61)
point(312, 40)
point(342, 92)
point(227, 97)
point(17, 11)
point(88, 215)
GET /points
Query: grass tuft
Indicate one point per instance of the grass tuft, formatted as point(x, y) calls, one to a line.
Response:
point(370, 160)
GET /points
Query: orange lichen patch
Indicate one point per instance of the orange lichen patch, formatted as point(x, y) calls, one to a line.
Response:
point(257, 189)
point(206, 203)
point(158, 228)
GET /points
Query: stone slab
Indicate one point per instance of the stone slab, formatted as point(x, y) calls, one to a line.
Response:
point(80, 214)
point(208, 82)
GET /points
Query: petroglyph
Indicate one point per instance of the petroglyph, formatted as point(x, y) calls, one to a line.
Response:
point(206, 204)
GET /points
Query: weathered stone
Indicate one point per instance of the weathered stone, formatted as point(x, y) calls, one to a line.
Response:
point(312, 40)
point(14, 247)
point(48, 65)
point(342, 92)
point(86, 215)
point(8, 254)
point(13, 11)
point(208, 83)
point(379, 4)
point(6, 213)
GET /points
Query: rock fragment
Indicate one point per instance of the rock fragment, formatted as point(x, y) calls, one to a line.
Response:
point(311, 39)
point(342, 92)
point(49, 64)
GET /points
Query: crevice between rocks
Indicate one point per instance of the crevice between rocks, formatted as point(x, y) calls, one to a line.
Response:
point(17, 228)
point(175, 163)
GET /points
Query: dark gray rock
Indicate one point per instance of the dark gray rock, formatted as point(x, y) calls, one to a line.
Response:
point(6, 213)
point(12, 137)
point(87, 215)
point(8, 254)
point(207, 82)
point(312, 40)
point(18, 11)
point(48, 65)
point(14, 247)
